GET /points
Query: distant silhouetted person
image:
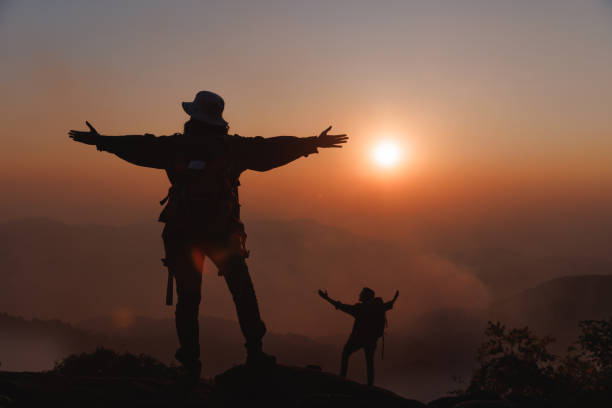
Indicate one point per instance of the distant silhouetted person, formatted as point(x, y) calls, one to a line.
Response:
point(202, 213)
point(370, 322)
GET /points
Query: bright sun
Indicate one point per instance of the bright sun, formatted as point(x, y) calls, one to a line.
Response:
point(387, 154)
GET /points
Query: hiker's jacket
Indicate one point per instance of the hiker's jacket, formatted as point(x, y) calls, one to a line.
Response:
point(204, 170)
point(367, 316)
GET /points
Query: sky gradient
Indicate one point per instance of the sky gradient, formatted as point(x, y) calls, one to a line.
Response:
point(502, 106)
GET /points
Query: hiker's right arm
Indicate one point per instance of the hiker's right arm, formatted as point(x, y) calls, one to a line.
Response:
point(141, 150)
point(350, 309)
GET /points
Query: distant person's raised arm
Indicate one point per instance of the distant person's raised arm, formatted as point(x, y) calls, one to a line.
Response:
point(141, 150)
point(262, 154)
point(389, 304)
point(350, 309)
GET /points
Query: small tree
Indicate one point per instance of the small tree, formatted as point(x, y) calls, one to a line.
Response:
point(513, 361)
point(596, 344)
point(517, 362)
point(589, 363)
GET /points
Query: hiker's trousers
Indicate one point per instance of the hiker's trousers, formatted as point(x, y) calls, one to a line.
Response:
point(185, 254)
point(352, 345)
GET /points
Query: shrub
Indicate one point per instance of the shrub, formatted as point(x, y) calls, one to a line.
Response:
point(513, 361)
point(108, 363)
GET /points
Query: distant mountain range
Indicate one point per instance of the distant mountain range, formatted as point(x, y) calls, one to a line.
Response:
point(50, 269)
point(37, 344)
point(555, 307)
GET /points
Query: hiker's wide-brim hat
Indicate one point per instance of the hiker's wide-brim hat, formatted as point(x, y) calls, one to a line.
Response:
point(207, 107)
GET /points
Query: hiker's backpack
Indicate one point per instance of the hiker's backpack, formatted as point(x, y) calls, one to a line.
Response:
point(377, 322)
point(379, 318)
point(204, 188)
point(372, 320)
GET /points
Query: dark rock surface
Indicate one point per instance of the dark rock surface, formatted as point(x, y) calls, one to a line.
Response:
point(280, 386)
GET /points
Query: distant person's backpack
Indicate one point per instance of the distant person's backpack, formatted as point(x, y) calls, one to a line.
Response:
point(379, 318)
point(375, 321)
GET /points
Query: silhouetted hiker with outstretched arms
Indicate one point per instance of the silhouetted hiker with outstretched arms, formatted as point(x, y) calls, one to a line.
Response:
point(370, 322)
point(202, 213)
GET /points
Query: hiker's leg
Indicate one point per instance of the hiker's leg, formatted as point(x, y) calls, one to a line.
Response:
point(230, 259)
point(236, 274)
point(229, 256)
point(349, 348)
point(185, 262)
point(369, 356)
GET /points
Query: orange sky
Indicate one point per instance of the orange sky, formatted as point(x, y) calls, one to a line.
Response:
point(504, 107)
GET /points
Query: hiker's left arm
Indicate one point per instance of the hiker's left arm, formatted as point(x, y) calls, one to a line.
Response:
point(263, 154)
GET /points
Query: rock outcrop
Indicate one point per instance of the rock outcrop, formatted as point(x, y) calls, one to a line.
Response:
point(241, 386)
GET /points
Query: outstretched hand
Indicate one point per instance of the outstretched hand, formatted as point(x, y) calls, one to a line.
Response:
point(396, 295)
point(323, 294)
point(325, 140)
point(90, 137)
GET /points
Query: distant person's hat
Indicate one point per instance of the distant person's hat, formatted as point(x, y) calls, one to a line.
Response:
point(207, 107)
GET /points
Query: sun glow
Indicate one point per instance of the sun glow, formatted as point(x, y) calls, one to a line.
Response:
point(387, 154)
